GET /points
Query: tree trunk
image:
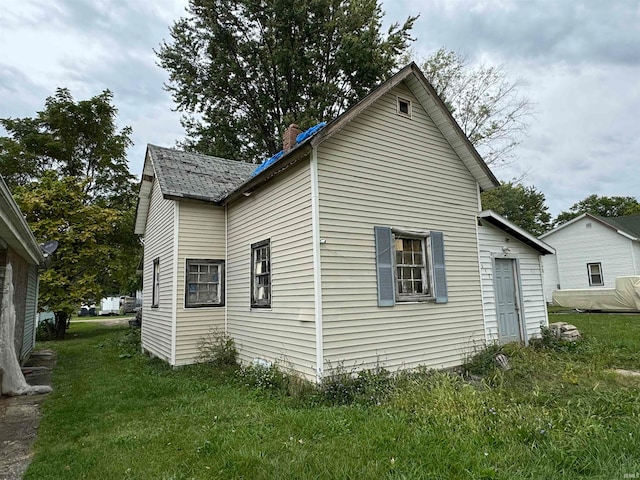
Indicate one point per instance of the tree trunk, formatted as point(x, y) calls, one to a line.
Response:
point(62, 323)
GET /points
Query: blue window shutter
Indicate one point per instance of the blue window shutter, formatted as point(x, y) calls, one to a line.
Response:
point(384, 266)
point(439, 273)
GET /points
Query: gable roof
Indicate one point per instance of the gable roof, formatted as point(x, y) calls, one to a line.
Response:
point(525, 237)
point(628, 226)
point(185, 175)
point(15, 230)
point(429, 100)
point(213, 179)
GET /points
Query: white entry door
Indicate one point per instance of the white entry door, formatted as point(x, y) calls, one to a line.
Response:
point(506, 300)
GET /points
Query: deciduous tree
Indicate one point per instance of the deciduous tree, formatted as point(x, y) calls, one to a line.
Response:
point(600, 205)
point(242, 70)
point(522, 205)
point(487, 105)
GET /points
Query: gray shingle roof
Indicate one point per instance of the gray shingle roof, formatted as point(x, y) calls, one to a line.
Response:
point(192, 175)
point(629, 224)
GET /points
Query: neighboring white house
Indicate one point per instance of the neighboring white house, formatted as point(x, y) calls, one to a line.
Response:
point(19, 248)
point(358, 243)
point(591, 252)
point(511, 268)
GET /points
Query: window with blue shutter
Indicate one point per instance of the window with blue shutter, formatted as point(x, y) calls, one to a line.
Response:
point(384, 266)
point(410, 266)
point(439, 272)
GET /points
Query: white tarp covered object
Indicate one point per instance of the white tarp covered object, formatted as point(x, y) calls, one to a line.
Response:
point(624, 298)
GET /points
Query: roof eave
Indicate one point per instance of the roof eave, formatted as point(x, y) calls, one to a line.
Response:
point(286, 161)
point(517, 232)
point(21, 238)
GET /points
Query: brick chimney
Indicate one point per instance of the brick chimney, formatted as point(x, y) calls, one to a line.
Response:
point(289, 137)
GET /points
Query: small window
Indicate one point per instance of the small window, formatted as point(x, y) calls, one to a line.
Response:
point(595, 274)
point(261, 274)
point(155, 295)
point(204, 286)
point(404, 107)
point(588, 225)
point(411, 268)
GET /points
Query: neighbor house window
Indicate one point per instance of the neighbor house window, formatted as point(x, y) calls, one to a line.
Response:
point(595, 274)
point(261, 274)
point(204, 286)
point(404, 107)
point(410, 266)
point(155, 295)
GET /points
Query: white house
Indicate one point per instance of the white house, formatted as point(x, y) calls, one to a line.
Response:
point(591, 252)
point(358, 243)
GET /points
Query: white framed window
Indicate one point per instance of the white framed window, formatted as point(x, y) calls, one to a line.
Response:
point(261, 274)
point(204, 285)
point(595, 274)
point(155, 289)
point(410, 266)
point(412, 277)
point(403, 107)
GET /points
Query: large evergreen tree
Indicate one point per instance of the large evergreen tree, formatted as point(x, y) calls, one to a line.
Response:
point(242, 70)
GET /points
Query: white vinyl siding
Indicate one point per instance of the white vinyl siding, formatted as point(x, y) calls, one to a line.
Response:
point(384, 169)
point(201, 236)
point(157, 323)
point(551, 275)
point(285, 332)
point(576, 245)
point(534, 308)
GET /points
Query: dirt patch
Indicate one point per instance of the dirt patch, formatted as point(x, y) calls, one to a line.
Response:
point(20, 417)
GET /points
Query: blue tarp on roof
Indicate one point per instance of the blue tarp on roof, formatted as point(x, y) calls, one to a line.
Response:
point(299, 139)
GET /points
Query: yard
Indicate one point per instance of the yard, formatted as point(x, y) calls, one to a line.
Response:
point(556, 414)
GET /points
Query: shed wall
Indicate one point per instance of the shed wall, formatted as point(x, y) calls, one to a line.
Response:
point(534, 308)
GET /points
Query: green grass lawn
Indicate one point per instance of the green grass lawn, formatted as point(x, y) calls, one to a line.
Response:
point(115, 414)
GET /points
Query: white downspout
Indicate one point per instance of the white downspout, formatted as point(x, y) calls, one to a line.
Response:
point(479, 251)
point(174, 286)
point(317, 273)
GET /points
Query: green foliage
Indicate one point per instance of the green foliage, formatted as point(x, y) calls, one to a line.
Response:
point(602, 206)
point(487, 106)
point(522, 205)
point(549, 341)
point(482, 362)
point(348, 387)
point(68, 170)
point(78, 139)
point(218, 349)
point(243, 70)
point(562, 415)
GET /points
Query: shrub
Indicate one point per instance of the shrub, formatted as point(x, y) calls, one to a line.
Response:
point(366, 387)
point(218, 348)
point(549, 341)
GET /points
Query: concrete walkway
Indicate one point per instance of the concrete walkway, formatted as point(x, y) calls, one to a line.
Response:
point(20, 417)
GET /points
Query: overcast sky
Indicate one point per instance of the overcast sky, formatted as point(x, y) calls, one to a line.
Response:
point(580, 61)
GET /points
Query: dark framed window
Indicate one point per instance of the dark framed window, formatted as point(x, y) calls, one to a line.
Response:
point(261, 274)
point(155, 289)
point(204, 283)
point(404, 107)
point(595, 274)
